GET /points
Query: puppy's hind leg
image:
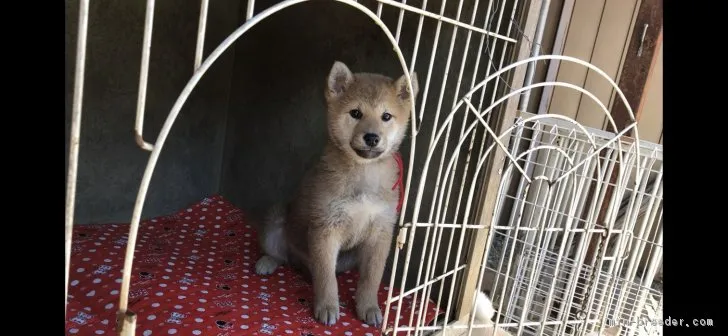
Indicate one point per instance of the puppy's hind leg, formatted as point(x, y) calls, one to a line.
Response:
point(272, 241)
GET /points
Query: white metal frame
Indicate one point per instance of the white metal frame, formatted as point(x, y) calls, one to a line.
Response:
point(75, 131)
point(497, 162)
point(622, 261)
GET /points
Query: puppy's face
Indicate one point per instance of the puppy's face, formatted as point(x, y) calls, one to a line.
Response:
point(368, 114)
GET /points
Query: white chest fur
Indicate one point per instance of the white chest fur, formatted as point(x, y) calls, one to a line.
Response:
point(365, 208)
point(365, 214)
point(365, 205)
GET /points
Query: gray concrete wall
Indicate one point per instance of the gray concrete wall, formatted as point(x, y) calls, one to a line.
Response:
point(110, 163)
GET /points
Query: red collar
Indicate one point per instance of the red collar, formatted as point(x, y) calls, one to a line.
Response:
point(400, 180)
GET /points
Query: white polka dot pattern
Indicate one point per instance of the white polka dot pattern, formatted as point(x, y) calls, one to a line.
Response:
point(194, 275)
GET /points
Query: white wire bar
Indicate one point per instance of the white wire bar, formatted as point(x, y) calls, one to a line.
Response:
point(75, 133)
point(201, 28)
point(250, 9)
point(144, 78)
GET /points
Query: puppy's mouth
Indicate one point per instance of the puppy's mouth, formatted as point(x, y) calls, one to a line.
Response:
point(368, 153)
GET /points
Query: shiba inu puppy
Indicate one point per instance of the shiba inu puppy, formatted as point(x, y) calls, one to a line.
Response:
point(344, 213)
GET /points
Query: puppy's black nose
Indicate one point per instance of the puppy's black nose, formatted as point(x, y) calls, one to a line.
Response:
point(371, 139)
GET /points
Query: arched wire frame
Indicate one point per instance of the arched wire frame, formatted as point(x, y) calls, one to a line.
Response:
point(507, 174)
point(512, 163)
point(126, 317)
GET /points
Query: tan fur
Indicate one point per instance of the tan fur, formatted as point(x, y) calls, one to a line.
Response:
point(345, 210)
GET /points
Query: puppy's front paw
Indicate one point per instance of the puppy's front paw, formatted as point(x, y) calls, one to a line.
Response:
point(327, 313)
point(266, 265)
point(370, 314)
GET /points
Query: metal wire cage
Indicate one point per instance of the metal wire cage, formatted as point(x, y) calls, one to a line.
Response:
point(553, 276)
point(560, 223)
point(574, 243)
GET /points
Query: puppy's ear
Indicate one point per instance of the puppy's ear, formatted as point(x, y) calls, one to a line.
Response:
point(340, 78)
point(402, 89)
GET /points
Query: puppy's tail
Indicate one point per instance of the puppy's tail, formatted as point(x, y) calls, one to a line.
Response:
point(484, 311)
point(273, 238)
point(275, 217)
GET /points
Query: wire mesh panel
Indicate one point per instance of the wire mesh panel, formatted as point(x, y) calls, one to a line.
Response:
point(576, 250)
point(481, 39)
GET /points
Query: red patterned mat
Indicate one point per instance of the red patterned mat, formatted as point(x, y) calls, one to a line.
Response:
point(194, 274)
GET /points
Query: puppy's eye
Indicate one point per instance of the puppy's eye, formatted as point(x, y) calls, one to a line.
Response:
point(356, 114)
point(386, 116)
